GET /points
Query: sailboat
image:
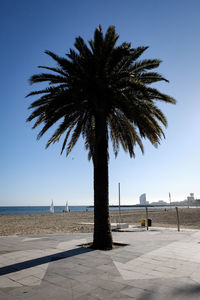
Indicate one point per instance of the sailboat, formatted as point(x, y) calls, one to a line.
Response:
point(52, 207)
point(66, 207)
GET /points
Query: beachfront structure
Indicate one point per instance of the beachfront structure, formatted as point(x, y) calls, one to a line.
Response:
point(161, 202)
point(190, 198)
point(143, 200)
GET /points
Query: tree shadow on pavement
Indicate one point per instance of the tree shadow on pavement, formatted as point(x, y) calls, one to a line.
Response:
point(42, 260)
point(188, 290)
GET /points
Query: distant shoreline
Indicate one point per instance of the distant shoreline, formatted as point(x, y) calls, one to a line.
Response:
point(29, 210)
point(143, 206)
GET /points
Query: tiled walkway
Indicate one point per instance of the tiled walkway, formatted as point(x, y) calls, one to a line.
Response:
point(158, 264)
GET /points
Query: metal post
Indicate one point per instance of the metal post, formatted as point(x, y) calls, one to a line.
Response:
point(170, 200)
point(147, 218)
point(119, 203)
point(178, 222)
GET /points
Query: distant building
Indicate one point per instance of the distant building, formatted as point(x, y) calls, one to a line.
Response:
point(160, 202)
point(190, 198)
point(198, 202)
point(143, 200)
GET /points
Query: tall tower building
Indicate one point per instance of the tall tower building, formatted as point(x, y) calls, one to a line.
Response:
point(143, 200)
point(190, 198)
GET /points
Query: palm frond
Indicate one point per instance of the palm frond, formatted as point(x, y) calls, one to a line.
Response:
point(151, 77)
point(57, 70)
point(49, 90)
point(145, 64)
point(47, 77)
point(137, 52)
point(67, 124)
point(75, 135)
point(155, 94)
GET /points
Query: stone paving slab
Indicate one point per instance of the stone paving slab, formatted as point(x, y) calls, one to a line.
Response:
point(158, 264)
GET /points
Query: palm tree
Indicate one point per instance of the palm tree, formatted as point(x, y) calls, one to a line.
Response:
point(100, 91)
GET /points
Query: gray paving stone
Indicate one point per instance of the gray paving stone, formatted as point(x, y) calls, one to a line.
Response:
point(108, 268)
point(152, 260)
point(51, 291)
point(121, 259)
point(29, 281)
point(60, 281)
point(86, 297)
point(97, 272)
point(68, 273)
point(12, 294)
point(2, 294)
point(137, 293)
point(111, 286)
point(81, 277)
point(84, 288)
point(120, 296)
point(101, 293)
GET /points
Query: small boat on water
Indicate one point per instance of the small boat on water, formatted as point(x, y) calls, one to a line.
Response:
point(52, 207)
point(66, 209)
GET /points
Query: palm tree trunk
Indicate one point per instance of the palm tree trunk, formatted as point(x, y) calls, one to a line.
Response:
point(102, 238)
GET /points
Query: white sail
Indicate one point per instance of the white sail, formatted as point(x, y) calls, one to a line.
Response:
point(66, 207)
point(52, 208)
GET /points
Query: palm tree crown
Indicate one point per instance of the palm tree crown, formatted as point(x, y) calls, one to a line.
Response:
point(102, 78)
point(101, 91)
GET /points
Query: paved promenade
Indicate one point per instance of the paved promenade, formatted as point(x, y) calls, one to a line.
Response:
point(158, 264)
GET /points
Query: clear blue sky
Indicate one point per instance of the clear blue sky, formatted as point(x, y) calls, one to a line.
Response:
point(31, 175)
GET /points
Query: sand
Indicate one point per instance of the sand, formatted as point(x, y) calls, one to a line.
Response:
point(74, 221)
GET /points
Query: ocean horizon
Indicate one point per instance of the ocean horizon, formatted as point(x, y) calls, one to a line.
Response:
point(12, 210)
point(16, 210)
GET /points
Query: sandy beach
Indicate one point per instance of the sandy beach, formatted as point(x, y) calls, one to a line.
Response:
point(75, 221)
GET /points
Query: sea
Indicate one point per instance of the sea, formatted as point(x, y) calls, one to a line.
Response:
point(16, 210)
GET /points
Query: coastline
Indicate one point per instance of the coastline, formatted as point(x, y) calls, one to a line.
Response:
point(75, 221)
